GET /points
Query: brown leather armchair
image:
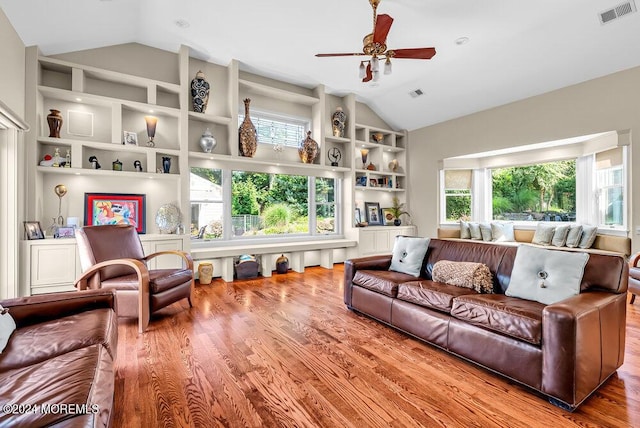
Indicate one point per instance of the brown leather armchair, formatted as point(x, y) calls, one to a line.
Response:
point(634, 277)
point(112, 257)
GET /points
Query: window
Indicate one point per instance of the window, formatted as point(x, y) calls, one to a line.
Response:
point(206, 203)
point(610, 187)
point(541, 192)
point(457, 194)
point(325, 205)
point(274, 129)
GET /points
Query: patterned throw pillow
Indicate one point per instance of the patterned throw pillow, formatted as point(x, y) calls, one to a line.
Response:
point(476, 276)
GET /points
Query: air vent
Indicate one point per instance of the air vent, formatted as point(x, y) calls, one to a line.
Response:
point(617, 12)
point(416, 93)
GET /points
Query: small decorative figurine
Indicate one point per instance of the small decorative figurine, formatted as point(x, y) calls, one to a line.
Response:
point(94, 162)
point(137, 165)
point(56, 157)
point(67, 162)
point(117, 165)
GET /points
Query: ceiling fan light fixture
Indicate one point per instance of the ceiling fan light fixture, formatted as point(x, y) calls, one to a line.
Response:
point(375, 64)
point(361, 70)
point(387, 66)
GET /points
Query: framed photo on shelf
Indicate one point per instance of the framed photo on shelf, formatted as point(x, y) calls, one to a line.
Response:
point(115, 208)
point(357, 216)
point(65, 232)
point(373, 182)
point(387, 217)
point(130, 138)
point(32, 230)
point(374, 216)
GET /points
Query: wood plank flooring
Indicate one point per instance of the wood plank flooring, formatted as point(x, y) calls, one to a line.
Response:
point(285, 352)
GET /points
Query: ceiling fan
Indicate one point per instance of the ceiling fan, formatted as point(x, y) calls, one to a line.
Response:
point(375, 45)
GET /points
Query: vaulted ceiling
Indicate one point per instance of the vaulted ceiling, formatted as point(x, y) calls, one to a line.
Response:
point(515, 49)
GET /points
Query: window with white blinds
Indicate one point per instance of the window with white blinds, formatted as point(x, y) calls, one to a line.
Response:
point(273, 129)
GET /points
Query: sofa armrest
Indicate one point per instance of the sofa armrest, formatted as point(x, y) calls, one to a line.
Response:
point(381, 262)
point(186, 257)
point(583, 341)
point(45, 307)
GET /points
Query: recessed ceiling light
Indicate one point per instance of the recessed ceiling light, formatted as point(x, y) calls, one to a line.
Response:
point(182, 23)
point(462, 41)
point(416, 93)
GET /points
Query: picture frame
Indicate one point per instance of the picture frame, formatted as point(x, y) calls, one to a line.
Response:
point(374, 216)
point(32, 230)
point(388, 217)
point(373, 182)
point(115, 208)
point(129, 138)
point(357, 216)
point(65, 232)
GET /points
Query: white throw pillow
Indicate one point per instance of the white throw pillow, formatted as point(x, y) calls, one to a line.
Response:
point(408, 254)
point(560, 235)
point(588, 236)
point(546, 276)
point(7, 327)
point(544, 234)
point(485, 232)
point(574, 235)
point(502, 232)
point(465, 232)
point(474, 229)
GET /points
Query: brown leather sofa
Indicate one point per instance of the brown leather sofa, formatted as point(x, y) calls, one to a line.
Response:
point(565, 350)
point(634, 277)
point(58, 366)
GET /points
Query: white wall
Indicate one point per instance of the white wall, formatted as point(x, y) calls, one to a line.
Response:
point(12, 69)
point(609, 103)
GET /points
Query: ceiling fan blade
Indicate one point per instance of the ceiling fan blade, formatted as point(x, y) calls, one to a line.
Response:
point(413, 53)
point(338, 54)
point(383, 25)
point(369, 74)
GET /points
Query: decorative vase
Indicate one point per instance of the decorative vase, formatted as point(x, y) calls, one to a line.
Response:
point(377, 137)
point(393, 165)
point(308, 149)
point(282, 264)
point(54, 120)
point(207, 141)
point(200, 92)
point(205, 273)
point(116, 165)
point(338, 121)
point(248, 140)
point(166, 164)
point(397, 222)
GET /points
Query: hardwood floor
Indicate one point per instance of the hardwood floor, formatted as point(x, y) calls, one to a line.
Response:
point(285, 351)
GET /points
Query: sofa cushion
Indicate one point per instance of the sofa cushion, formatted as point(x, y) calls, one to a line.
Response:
point(408, 254)
point(476, 276)
point(82, 378)
point(381, 281)
point(35, 343)
point(546, 276)
point(517, 318)
point(435, 295)
point(7, 327)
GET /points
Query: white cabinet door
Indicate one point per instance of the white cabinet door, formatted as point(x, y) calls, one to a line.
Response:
point(53, 268)
point(167, 261)
point(380, 240)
